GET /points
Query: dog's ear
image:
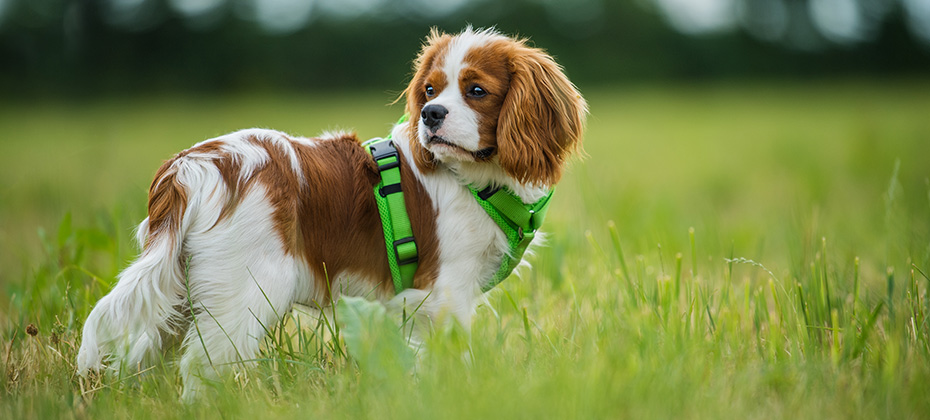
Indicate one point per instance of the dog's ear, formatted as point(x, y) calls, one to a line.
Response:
point(415, 93)
point(542, 118)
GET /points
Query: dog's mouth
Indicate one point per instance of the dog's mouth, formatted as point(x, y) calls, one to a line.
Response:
point(479, 155)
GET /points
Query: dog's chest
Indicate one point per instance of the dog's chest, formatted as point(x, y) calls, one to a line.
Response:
point(471, 244)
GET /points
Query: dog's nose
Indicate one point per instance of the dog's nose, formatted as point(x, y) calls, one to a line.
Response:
point(433, 115)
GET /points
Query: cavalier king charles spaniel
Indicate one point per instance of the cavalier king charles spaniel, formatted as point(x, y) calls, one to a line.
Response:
point(242, 227)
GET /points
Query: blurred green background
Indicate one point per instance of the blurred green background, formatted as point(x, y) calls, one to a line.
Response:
point(757, 121)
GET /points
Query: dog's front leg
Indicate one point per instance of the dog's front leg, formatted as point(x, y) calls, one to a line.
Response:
point(437, 305)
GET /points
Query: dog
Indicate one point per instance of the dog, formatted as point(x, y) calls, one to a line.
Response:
point(242, 227)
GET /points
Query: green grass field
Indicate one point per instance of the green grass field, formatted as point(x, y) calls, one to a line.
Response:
point(729, 251)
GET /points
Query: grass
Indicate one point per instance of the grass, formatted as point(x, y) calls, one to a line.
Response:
point(731, 251)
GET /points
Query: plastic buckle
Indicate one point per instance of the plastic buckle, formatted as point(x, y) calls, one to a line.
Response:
point(402, 241)
point(389, 189)
point(486, 193)
point(383, 150)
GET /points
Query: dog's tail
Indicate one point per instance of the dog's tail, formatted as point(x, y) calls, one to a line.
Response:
point(127, 324)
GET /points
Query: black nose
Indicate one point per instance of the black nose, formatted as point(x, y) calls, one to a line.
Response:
point(433, 115)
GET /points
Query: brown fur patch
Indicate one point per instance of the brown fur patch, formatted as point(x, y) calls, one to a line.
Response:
point(332, 219)
point(167, 202)
point(489, 68)
point(542, 118)
point(427, 70)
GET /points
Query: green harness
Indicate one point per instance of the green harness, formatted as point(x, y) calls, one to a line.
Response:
point(518, 221)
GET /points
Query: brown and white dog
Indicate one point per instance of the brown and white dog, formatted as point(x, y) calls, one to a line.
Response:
point(243, 226)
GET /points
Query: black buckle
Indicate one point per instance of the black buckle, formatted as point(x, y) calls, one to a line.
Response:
point(385, 149)
point(410, 260)
point(486, 193)
point(389, 189)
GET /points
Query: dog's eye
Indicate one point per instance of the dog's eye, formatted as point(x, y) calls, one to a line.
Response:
point(430, 91)
point(477, 92)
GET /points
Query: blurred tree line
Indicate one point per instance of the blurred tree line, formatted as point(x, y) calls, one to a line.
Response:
point(76, 47)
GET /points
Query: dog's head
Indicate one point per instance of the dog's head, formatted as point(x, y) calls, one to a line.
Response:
point(486, 98)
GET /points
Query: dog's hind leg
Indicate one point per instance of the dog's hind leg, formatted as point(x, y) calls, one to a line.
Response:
point(238, 292)
point(230, 322)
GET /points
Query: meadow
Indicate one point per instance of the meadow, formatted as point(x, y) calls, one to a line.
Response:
point(741, 250)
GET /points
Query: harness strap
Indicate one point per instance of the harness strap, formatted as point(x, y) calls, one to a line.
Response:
point(518, 221)
point(398, 235)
